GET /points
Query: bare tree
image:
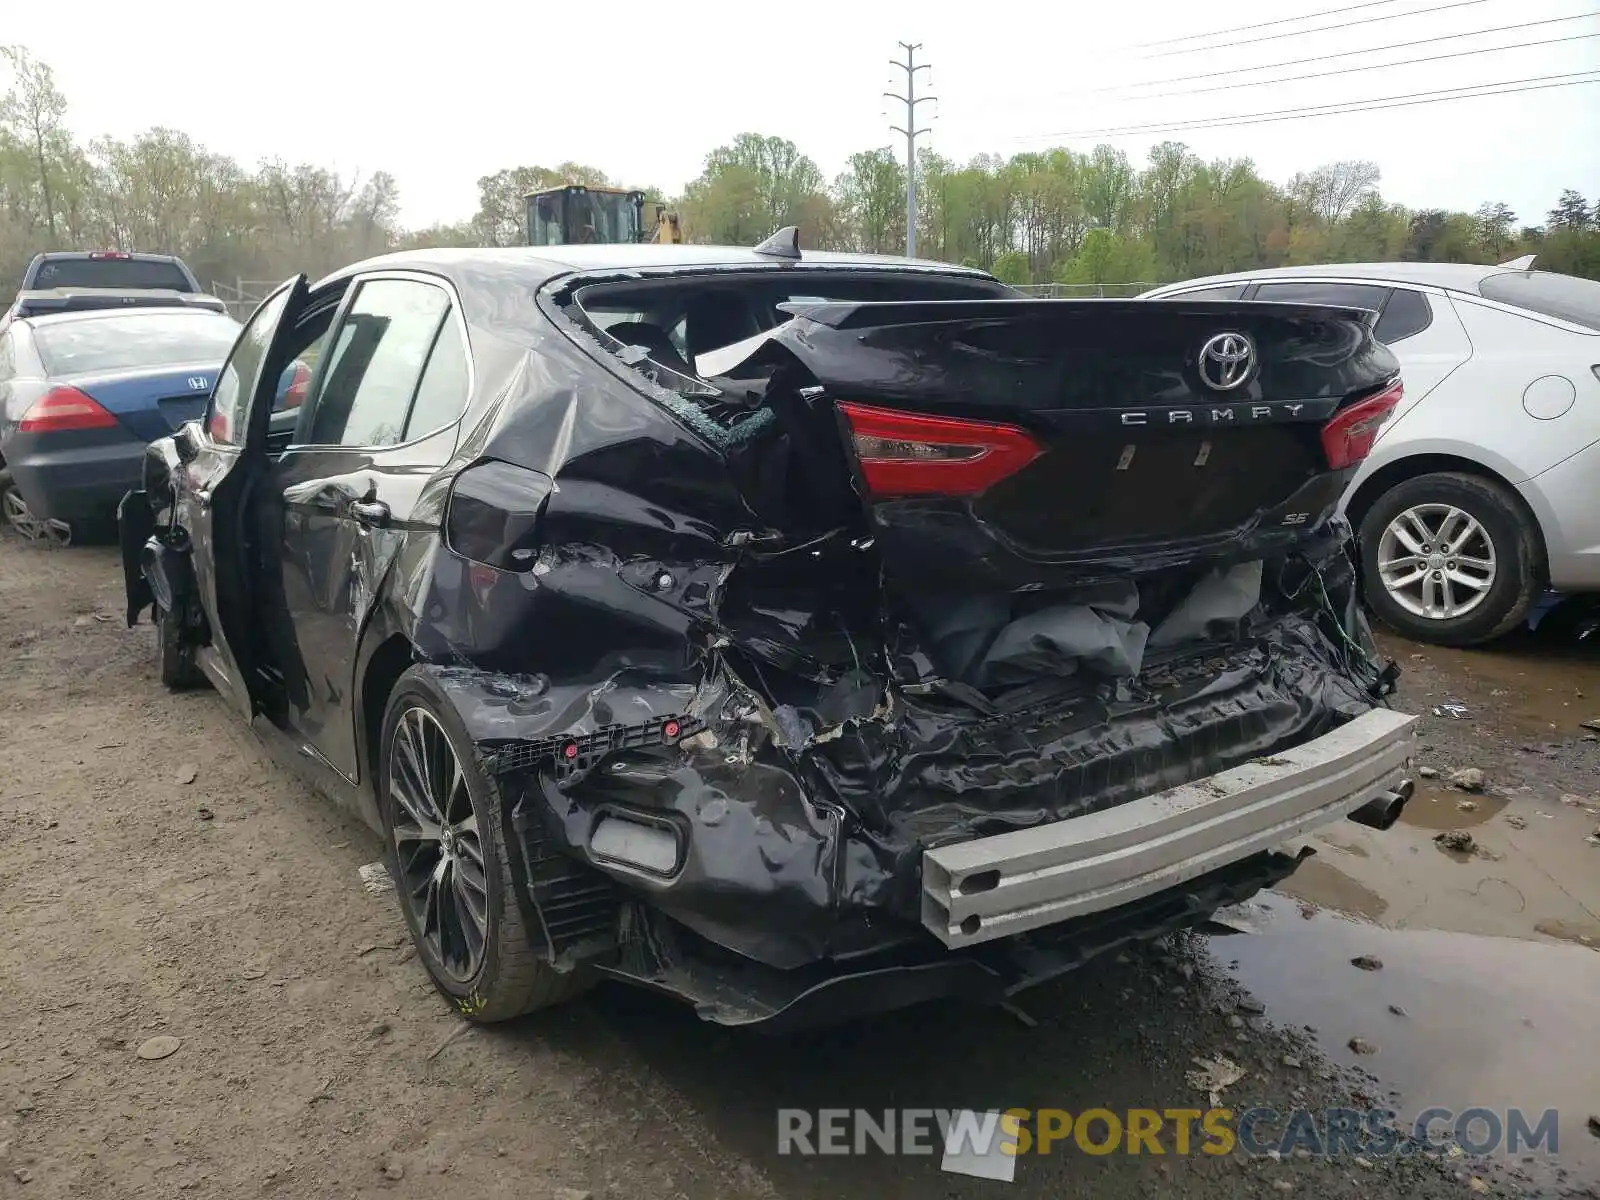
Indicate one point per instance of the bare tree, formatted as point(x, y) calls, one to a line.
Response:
point(1338, 186)
point(33, 108)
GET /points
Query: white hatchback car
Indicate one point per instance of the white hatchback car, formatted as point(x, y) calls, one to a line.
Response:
point(1484, 487)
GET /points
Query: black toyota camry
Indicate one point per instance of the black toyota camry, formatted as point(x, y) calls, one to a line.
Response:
point(796, 634)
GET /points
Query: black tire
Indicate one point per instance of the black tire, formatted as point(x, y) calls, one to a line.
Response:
point(1514, 541)
point(179, 672)
point(513, 976)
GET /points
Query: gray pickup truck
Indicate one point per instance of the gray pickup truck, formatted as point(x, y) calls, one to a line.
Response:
point(118, 270)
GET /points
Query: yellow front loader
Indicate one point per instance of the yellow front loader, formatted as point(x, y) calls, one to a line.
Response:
point(575, 214)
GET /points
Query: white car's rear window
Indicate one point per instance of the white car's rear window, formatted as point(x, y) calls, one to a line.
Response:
point(1565, 297)
point(124, 340)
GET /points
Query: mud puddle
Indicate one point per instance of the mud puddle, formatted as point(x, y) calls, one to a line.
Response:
point(1444, 808)
point(1491, 1022)
point(1491, 953)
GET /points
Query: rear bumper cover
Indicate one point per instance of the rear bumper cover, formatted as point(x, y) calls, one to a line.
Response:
point(1014, 910)
point(70, 477)
point(805, 850)
point(1009, 883)
point(728, 990)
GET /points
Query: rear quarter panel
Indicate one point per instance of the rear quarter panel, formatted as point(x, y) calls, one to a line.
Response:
point(1477, 412)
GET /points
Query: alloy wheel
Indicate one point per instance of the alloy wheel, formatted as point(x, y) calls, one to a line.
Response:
point(1436, 561)
point(438, 846)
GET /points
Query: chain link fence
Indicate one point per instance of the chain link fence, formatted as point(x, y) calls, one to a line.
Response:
point(1082, 291)
point(243, 295)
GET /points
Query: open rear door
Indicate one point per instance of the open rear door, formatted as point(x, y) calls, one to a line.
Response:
point(1009, 445)
point(221, 456)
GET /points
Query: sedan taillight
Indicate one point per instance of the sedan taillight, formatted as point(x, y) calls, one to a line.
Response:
point(1348, 438)
point(907, 454)
point(63, 409)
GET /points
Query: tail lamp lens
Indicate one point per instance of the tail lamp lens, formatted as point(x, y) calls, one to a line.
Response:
point(1348, 438)
point(63, 409)
point(908, 454)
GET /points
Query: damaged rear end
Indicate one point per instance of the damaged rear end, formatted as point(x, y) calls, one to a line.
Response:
point(1038, 634)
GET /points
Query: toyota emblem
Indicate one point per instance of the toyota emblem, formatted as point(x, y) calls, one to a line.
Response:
point(1226, 361)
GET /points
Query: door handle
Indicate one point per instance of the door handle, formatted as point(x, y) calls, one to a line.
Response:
point(371, 513)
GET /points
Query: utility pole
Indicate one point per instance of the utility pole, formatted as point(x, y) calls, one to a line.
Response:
point(910, 66)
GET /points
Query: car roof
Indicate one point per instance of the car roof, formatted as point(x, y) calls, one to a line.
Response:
point(548, 262)
point(1455, 277)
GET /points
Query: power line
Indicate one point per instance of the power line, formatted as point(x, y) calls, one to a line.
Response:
point(1319, 58)
point(1404, 62)
point(1373, 104)
point(1273, 37)
point(1327, 12)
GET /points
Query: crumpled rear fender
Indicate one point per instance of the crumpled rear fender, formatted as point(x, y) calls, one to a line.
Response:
point(694, 757)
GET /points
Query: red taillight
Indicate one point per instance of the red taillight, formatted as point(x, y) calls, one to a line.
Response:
point(301, 381)
point(904, 454)
point(65, 408)
point(108, 254)
point(1348, 438)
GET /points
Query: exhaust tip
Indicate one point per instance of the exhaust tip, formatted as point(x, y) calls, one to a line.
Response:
point(1382, 811)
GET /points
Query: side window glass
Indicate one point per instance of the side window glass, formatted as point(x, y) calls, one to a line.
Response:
point(1348, 295)
point(1227, 291)
point(377, 358)
point(230, 399)
point(442, 394)
point(1408, 314)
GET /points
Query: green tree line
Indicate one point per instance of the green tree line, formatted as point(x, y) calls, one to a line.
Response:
point(1053, 216)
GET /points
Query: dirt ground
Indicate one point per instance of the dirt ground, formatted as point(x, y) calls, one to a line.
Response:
point(161, 877)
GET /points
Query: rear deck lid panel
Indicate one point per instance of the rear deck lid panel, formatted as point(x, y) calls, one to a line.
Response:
point(1107, 433)
point(153, 402)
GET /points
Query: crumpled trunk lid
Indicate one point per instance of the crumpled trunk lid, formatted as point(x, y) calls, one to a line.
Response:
point(1010, 445)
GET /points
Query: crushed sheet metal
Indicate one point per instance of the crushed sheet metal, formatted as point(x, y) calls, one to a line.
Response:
point(805, 826)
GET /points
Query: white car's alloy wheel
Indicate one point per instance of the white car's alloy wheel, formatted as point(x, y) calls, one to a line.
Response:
point(1436, 561)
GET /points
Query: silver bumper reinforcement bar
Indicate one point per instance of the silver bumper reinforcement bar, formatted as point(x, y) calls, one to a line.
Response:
point(1009, 883)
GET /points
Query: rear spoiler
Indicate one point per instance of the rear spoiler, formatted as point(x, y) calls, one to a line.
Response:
point(1111, 363)
point(61, 300)
point(878, 314)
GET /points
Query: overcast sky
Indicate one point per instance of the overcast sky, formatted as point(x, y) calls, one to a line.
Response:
point(441, 94)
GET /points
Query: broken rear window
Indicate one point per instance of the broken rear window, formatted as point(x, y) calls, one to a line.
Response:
point(692, 335)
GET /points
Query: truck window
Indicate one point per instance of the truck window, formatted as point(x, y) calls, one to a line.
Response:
point(131, 273)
